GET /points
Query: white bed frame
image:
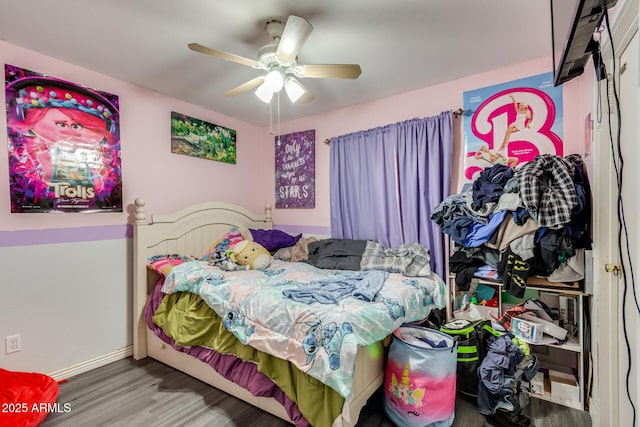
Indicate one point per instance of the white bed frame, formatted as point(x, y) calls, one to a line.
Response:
point(191, 231)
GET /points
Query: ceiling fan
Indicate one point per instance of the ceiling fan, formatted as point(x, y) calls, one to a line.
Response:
point(279, 61)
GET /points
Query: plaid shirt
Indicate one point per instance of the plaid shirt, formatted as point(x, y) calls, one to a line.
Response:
point(407, 259)
point(547, 190)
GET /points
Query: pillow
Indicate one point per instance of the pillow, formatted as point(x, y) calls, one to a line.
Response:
point(296, 253)
point(284, 254)
point(162, 264)
point(223, 244)
point(272, 240)
point(22, 391)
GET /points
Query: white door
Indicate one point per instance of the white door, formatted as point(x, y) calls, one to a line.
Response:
point(616, 317)
point(629, 331)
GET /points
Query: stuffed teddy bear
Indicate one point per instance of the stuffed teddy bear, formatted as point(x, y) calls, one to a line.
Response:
point(251, 254)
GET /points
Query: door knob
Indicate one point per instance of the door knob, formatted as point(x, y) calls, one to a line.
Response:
point(613, 268)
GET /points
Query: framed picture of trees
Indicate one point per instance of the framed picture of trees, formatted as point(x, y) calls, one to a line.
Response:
point(197, 138)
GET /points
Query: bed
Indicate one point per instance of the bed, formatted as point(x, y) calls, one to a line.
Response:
point(191, 231)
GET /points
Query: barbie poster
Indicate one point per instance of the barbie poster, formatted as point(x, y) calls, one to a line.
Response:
point(511, 123)
point(64, 145)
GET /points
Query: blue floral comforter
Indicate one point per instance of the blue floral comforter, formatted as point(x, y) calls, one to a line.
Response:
point(312, 317)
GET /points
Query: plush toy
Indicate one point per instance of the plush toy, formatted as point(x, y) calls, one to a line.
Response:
point(252, 254)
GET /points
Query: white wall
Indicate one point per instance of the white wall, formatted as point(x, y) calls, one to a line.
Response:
point(70, 302)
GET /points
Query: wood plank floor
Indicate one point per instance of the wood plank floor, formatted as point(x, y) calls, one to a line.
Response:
point(148, 393)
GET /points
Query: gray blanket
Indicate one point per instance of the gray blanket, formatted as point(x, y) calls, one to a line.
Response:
point(411, 259)
point(340, 254)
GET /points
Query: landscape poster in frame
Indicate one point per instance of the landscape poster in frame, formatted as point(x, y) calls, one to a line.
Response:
point(296, 170)
point(198, 138)
point(64, 145)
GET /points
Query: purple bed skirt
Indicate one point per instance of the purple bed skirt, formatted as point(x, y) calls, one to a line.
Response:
point(245, 374)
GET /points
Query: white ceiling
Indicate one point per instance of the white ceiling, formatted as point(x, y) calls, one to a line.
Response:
point(401, 45)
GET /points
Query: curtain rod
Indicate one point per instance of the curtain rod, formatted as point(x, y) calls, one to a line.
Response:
point(459, 112)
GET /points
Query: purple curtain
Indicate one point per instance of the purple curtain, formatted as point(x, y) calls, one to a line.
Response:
point(385, 181)
point(364, 200)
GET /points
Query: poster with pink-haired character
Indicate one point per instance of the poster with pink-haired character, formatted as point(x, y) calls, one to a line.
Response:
point(511, 123)
point(64, 145)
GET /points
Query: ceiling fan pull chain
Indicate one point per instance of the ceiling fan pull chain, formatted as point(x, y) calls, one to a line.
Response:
point(278, 116)
point(270, 119)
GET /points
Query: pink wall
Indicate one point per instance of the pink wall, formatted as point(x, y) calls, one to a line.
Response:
point(425, 102)
point(147, 160)
point(165, 180)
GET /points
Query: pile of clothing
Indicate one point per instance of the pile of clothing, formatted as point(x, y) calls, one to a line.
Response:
point(505, 375)
point(529, 220)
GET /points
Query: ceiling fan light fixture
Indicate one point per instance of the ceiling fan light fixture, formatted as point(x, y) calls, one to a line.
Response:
point(274, 80)
point(294, 89)
point(264, 92)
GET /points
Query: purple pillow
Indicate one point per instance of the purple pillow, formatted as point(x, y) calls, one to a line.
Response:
point(272, 240)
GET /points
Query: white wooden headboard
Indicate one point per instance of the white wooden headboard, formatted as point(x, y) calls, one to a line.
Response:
point(189, 231)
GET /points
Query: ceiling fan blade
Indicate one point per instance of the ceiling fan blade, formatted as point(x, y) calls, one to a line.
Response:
point(335, 71)
point(295, 33)
point(223, 55)
point(246, 86)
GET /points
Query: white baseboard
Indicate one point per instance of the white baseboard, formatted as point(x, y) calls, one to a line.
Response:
point(96, 362)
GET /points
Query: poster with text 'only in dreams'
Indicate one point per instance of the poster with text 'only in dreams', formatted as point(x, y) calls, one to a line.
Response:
point(511, 123)
point(296, 170)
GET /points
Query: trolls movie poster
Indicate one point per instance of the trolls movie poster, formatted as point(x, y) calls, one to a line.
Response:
point(64, 145)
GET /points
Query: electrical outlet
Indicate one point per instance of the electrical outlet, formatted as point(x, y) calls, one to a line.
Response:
point(13, 343)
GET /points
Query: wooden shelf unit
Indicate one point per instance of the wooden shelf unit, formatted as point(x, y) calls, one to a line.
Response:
point(552, 355)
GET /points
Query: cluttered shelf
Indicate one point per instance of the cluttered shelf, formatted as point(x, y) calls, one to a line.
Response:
point(544, 315)
point(488, 294)
point(572, 343)
point(549, 316)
